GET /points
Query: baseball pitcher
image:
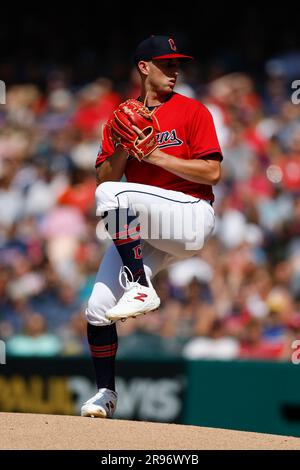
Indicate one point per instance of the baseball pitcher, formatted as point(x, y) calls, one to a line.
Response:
point(167, 147)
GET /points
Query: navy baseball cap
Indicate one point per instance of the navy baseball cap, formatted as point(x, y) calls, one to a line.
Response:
point(158, 47)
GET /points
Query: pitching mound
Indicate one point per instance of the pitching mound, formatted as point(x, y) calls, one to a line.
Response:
point(30, 431)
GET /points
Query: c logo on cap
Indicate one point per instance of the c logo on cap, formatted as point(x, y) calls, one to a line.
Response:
point(172, 44)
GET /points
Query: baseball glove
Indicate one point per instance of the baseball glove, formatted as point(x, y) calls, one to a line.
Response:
point(134, 113)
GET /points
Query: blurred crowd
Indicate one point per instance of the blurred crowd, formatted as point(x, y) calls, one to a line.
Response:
point(239, 299)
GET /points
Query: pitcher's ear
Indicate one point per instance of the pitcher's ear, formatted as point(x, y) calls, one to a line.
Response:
point(143, 67)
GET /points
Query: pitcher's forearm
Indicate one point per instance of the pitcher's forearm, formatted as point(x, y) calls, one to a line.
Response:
point(113, 168)
point(202, 170)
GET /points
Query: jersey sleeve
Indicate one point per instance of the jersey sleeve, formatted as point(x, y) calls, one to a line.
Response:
point(202, 134)
point(106, 147)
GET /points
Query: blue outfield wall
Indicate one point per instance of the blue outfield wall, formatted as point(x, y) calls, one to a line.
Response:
point(242, 395)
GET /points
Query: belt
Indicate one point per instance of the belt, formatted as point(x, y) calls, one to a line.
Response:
point(211, 203)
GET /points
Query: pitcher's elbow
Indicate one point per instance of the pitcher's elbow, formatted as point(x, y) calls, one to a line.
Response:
point(215, 177)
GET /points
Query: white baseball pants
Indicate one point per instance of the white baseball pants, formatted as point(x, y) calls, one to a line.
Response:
point(174, 226)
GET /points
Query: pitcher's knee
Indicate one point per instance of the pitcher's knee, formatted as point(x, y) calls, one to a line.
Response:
point(95, 315)
point(106, 196)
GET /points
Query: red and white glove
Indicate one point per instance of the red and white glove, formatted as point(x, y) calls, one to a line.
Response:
point(130, 114)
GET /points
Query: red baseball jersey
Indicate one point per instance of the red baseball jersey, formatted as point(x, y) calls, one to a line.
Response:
point(187, 131)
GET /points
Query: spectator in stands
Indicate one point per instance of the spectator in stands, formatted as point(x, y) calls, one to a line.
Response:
point(35, 340)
